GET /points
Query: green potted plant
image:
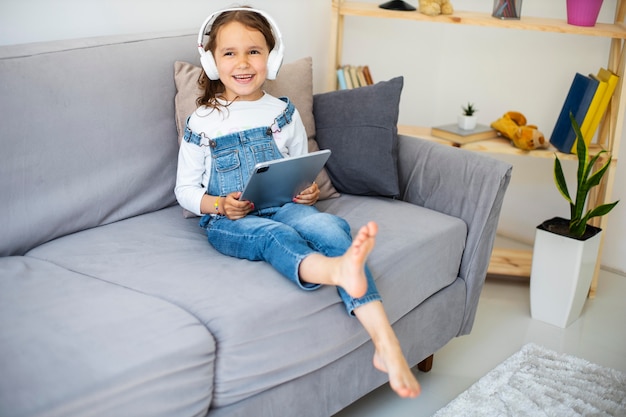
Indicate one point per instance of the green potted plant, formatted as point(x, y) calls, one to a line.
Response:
point(467, 120)
point(566, 251)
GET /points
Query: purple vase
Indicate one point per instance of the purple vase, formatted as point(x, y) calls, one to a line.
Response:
point(583, 12)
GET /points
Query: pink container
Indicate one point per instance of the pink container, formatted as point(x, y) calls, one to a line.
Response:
point(583, 12)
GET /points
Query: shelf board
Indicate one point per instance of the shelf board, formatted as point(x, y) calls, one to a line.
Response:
point(510, 262)
point(496, 145)
point(504, 146)
point(608, 30)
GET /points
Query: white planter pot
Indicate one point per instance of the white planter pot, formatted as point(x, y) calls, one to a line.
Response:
point(561, 274)
point(467, 122)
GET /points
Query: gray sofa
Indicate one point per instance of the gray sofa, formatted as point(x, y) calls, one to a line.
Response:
point(112, 303)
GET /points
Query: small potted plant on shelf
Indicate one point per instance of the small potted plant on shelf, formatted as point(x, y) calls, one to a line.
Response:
point(467, 120)
point(566, 251)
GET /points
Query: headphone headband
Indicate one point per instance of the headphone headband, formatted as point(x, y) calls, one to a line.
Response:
point(275, 58)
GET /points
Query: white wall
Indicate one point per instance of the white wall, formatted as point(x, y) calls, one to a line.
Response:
point(444, 66)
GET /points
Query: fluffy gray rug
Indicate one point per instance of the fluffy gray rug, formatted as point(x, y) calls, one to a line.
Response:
point(539, 382)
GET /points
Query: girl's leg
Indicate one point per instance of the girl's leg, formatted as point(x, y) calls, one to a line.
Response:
point(262, 239)
point(330, 237)
point(388, 356)
point(348, 272)
point(296, 235)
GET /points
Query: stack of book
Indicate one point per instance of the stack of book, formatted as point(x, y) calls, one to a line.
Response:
point(587, 100)
point(350, 76)
point(458, 136)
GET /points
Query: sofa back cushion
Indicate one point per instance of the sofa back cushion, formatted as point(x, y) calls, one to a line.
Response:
point(88, 135)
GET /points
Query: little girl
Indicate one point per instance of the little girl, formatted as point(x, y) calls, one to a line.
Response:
point(237, 125)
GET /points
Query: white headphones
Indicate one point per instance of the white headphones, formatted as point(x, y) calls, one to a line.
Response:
point(274, 60)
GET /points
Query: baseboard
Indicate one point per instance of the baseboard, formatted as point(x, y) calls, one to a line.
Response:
point(613, 270)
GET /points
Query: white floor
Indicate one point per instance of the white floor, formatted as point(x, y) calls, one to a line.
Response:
point(503, 325)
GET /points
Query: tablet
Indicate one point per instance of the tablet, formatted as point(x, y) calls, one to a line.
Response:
point(274, 183)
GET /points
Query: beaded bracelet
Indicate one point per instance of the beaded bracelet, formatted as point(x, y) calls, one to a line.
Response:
point(217, 205)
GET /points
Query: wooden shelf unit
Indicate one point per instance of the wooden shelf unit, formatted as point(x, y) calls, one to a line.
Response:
point(509, 262)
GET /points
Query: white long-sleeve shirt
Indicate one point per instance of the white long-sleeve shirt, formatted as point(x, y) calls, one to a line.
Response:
point(194, 162)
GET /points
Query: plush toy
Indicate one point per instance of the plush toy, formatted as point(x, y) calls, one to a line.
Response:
point(513, 127)
point(435, 7)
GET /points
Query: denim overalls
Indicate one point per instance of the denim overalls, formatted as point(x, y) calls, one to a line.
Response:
point(282, 236)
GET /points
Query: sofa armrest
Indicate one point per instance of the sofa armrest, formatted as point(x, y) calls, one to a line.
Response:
point(463, 184)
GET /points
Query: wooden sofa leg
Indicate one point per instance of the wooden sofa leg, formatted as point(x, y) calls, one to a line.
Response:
point(426, 365)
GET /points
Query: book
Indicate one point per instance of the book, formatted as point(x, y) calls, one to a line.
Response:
point(577, 102)
point(341, 79)
point(607, 83)
point(347, 77)
point(591, 112)
point(361, 75)
point(368, 75)
point(353, 76)
point(454, 133)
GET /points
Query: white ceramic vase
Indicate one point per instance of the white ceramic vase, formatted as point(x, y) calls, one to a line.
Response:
point(561, 274)
point(467, 122)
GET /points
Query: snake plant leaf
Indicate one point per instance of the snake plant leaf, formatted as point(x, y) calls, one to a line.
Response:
point(596, 177)
point(601, 210)
point(559, 180)
point(581, 151)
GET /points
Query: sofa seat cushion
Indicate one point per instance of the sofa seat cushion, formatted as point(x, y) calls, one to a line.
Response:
point(72, 345)
point(418, 251)
point(267, 330)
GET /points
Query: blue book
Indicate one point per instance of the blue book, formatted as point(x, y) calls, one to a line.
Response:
point(577, 102)
point(341, 79)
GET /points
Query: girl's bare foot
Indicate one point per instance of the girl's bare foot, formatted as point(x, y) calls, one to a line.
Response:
point(401, 379)
point(388, 355)
point(351, 273)
point(347, 270)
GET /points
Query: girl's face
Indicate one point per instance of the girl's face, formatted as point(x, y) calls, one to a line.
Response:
point(241, 57)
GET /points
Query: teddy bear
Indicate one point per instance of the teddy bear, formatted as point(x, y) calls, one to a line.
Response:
point(435, 7)
point(512, 125)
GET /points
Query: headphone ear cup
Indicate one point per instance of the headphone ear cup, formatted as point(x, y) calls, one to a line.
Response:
point(209, 66)
point(274, 62)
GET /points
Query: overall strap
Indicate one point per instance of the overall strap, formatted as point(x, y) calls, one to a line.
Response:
point(197, 139)
point(284, 118)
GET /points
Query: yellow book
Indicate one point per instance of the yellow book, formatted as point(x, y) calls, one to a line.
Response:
point(361, 75)
point(591, 112)
point(600, 102)
point(611, 80)
point(354, 77)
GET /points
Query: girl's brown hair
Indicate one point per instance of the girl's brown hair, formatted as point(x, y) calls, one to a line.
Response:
point(251, 19)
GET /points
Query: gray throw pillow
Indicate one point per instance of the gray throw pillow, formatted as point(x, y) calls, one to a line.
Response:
point(359, 126)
